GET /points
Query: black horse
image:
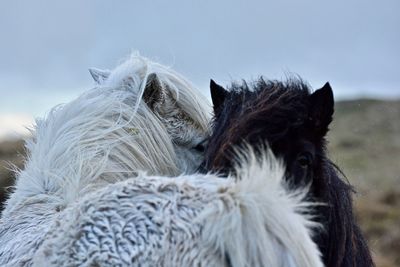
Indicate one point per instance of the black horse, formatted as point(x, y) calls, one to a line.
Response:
point(294, 122)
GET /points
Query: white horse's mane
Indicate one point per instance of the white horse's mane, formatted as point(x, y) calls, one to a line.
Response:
point(252, 218)
point(104, 136)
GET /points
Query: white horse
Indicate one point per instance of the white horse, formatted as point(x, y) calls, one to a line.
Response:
point(141, 116)
point(252, 219)
point(82, 198)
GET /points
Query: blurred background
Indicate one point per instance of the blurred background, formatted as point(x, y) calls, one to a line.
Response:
point(46, 48)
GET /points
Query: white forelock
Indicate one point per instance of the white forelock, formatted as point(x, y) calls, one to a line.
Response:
point(188, 98)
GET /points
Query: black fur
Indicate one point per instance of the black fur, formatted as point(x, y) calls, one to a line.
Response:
point(294, 122)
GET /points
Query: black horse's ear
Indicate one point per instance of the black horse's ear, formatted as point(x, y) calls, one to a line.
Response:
point(218, 95)
point(321, 109)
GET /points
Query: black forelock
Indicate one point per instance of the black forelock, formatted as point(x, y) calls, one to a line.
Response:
point(257, 111)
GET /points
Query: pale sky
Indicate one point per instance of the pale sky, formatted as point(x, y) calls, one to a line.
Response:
point(47, 46)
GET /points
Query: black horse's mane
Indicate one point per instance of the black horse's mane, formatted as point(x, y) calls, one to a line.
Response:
point(245, 108)
point(280, 114)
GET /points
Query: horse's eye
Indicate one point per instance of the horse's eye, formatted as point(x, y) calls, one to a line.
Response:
point(305, 159)
point(201, 147)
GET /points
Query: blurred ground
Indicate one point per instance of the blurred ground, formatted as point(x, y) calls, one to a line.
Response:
point(11, 153)
point(365, 143)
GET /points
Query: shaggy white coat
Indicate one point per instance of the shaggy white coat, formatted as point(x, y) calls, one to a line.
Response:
point(106, 135)
point(196, 220)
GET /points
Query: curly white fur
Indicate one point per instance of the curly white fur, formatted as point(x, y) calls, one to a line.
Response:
point(199, 220)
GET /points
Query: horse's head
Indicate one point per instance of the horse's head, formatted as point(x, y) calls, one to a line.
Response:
point(187, 131)
point(293, 122)
point(183, 113)
point(287, 116)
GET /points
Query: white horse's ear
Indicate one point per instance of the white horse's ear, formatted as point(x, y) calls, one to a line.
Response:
point(153, 92)
point(99, 76)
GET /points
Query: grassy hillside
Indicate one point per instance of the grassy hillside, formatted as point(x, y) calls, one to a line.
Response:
point(365, 143)
point(11, 154)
